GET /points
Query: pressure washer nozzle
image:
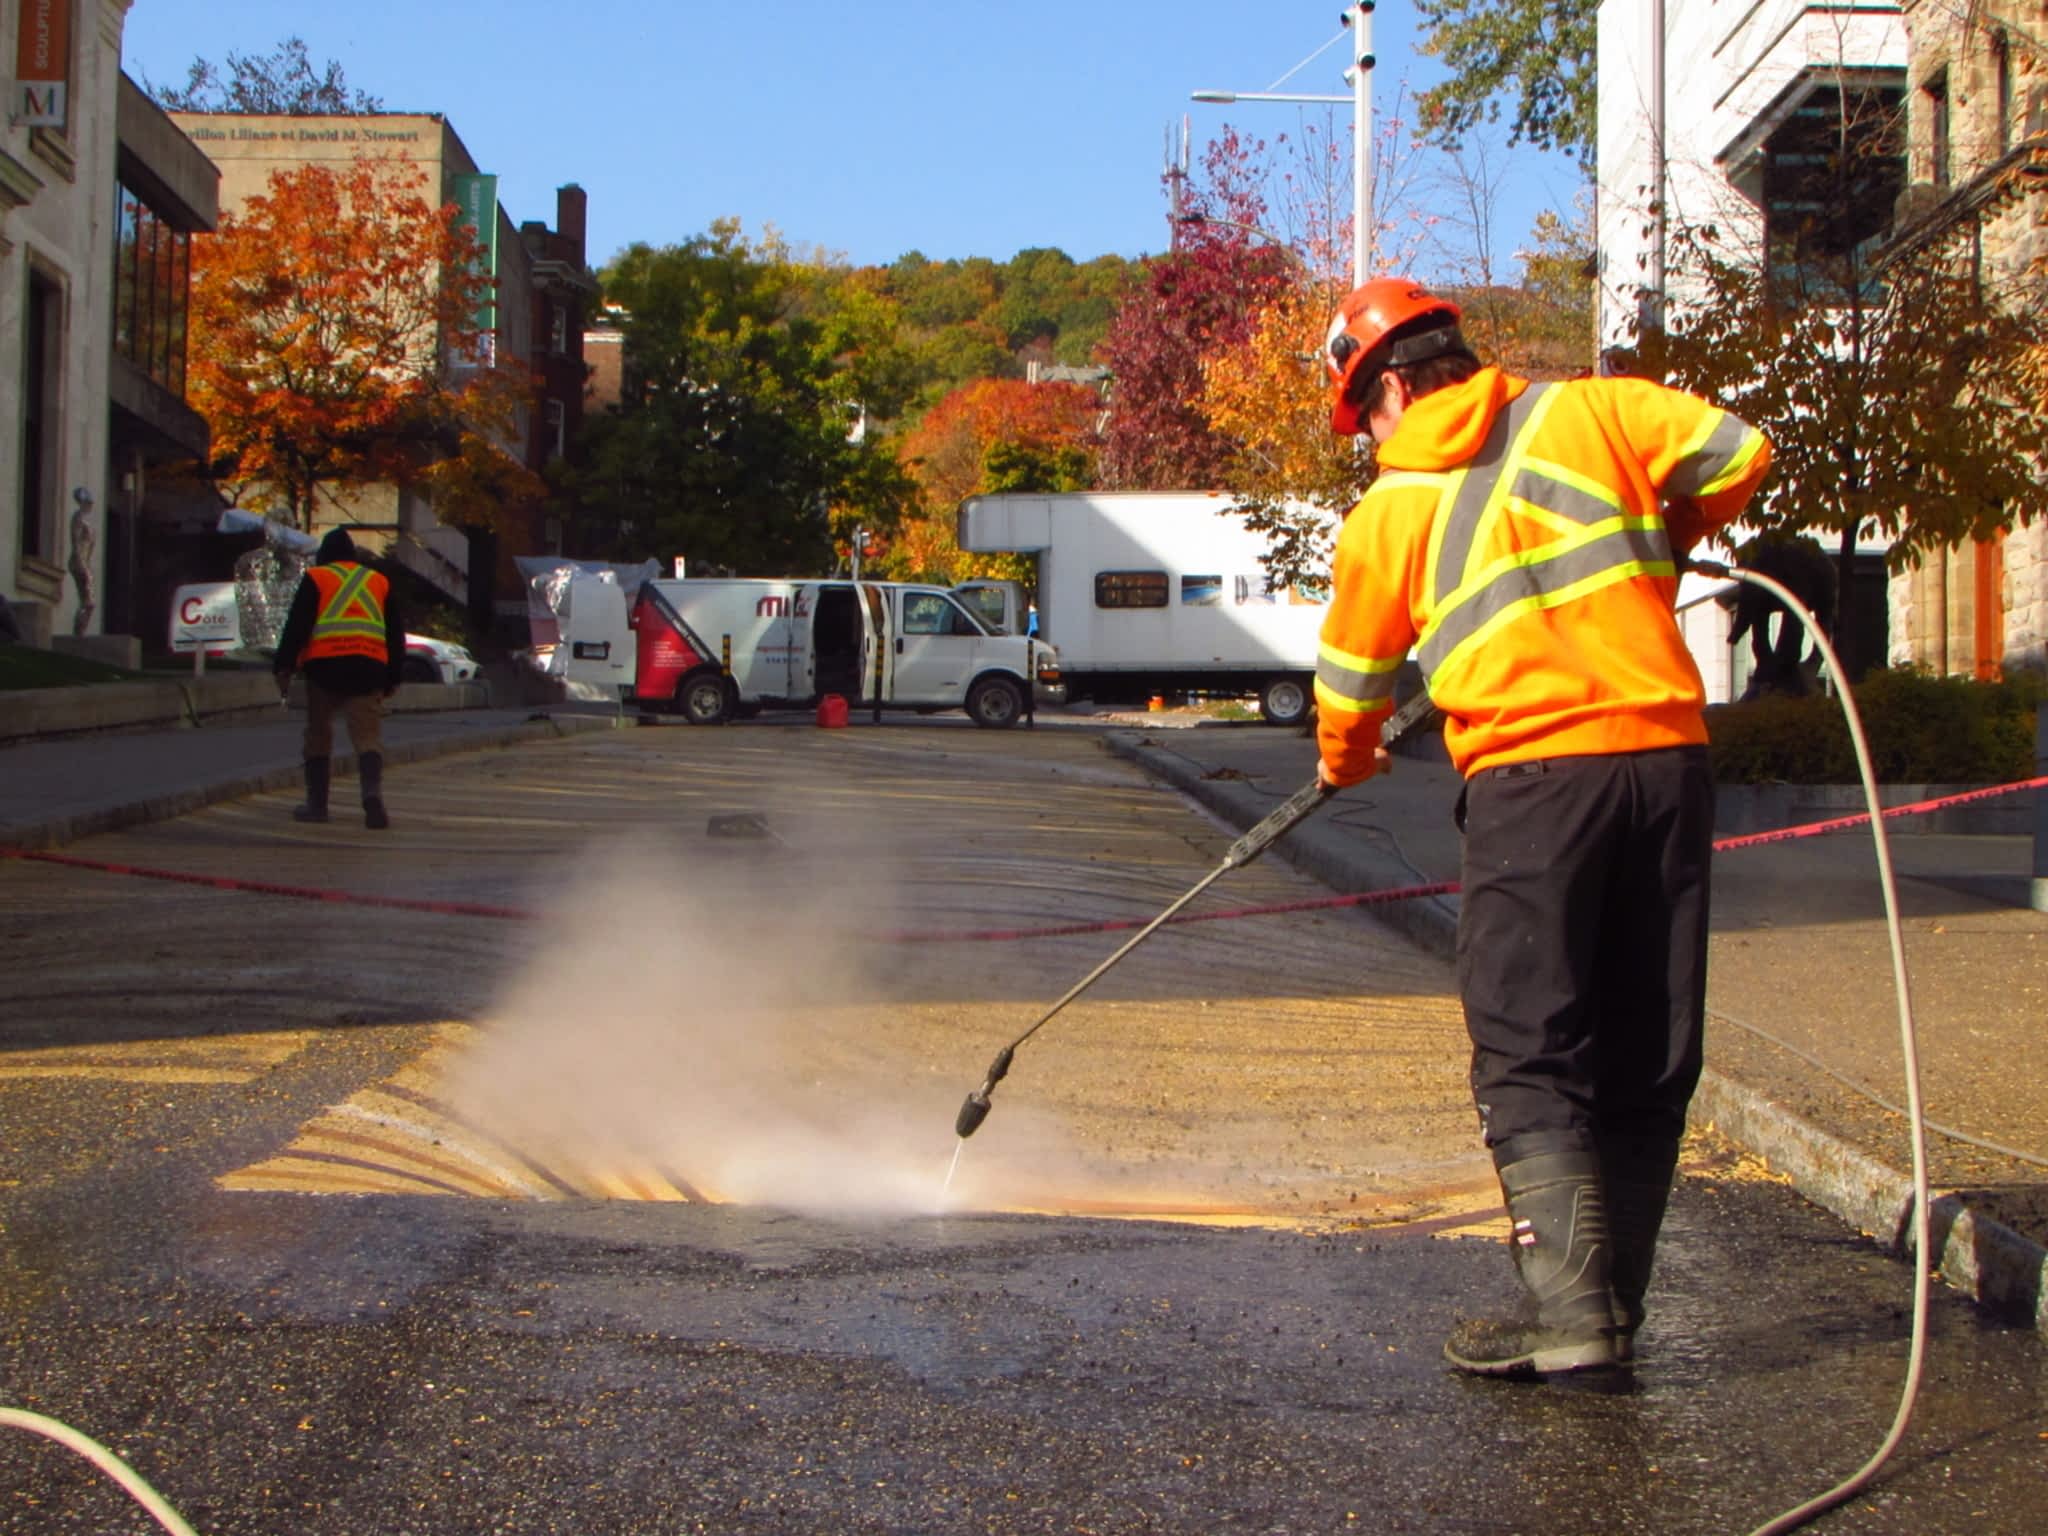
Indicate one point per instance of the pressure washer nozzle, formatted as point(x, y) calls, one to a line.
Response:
point(972, 1113)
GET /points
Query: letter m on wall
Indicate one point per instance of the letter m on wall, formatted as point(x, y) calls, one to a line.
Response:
point(42, 63)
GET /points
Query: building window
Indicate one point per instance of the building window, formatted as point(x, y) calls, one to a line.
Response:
point(558, 328)
point(1936, 92)
point(152, 291)
point(1131, 589)
point(42, 385)
point(1831, 173)
point(556, 416)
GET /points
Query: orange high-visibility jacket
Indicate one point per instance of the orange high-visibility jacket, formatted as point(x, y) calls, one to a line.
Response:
point(1524, 539)
point(351, 617)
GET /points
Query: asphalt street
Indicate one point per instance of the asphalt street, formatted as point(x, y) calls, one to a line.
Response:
point(251, 1237)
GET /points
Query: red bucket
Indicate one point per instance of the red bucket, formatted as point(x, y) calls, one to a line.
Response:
point(832, 711)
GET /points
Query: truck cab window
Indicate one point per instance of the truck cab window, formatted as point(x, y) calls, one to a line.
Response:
point(933, 613)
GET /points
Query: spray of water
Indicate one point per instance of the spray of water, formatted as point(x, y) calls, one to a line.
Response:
point(704, 1017)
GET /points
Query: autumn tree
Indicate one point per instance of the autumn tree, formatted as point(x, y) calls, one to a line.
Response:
point(1541, 51)
point(741, 442)
point(335, 345)
point(282, 81)
point(991, 435)
point(1903, 385)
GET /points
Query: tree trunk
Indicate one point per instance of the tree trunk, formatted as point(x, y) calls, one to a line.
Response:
point(483, 579)
point(1842, 628)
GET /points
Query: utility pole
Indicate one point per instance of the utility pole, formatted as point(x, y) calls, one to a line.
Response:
point(1359, 20)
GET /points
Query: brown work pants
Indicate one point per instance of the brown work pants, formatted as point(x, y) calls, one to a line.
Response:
point(364, 713)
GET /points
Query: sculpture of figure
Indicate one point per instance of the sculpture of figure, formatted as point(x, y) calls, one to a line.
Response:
point(83, 540)
point(1809, 574)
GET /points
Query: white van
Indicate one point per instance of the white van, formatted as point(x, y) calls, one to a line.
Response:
point(710, 649)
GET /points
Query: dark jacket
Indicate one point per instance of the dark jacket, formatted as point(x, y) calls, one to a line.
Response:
point(348, 676)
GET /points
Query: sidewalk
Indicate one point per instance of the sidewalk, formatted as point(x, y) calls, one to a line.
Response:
point(58, 790)
point(1804, 1065)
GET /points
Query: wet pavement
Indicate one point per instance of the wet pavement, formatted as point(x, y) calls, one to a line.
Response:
point(279, 1360)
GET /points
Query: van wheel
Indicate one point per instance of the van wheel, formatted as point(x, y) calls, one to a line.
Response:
point(1285, 701)
point(995, 702)
point(704, 699)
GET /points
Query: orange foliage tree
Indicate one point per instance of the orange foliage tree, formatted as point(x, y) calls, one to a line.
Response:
point(992, 434)
point(335, 344)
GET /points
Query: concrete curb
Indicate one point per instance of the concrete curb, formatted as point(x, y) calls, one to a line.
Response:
point(1980, 1257)
point(54, 833)
point(1336, 860)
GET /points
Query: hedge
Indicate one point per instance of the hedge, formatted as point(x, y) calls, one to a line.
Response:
point(1922, 729)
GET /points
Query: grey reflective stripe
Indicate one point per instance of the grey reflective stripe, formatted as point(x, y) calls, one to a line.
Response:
point(1459, 525)
point(1360, 687)
point(1535, 484)
point(1540, 582)
point(1712, 459)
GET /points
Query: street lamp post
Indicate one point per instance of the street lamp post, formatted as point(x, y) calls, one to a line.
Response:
point(1358, 18)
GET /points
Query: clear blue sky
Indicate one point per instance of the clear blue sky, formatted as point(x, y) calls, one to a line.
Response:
point(868, 127)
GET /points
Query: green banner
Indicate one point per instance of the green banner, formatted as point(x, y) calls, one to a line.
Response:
point(476, 198)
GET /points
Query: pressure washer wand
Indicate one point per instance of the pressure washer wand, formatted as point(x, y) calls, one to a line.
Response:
point(1242, 852)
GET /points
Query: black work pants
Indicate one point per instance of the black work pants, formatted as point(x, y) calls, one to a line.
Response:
point(1582, 942)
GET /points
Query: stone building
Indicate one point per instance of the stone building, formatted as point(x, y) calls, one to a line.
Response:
point(542, 288)
point(1977, 142)
point(99, 198)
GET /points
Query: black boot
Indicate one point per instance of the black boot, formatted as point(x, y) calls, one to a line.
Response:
point(315, 808)
point(1562, 1255)
point(1636, 1172)
point(370, 769)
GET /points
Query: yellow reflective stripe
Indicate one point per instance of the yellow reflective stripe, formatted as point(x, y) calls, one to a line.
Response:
point(1355, 663)
point(1546, 600)
point(1738, 466)
point(1584, 484)
point(1439, 524)
point(1332, 702)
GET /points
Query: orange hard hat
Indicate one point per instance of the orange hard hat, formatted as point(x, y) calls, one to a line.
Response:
point(1358, 333)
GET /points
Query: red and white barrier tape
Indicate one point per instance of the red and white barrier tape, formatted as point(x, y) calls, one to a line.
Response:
point(986, 935)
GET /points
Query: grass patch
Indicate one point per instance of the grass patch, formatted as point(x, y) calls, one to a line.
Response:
point(25, 666)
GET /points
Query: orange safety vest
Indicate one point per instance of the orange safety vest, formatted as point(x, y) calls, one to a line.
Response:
point(1517, 539)
point(351, 617)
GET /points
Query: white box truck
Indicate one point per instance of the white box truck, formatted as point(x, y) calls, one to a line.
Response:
point(1151, 593)
point(710, 649)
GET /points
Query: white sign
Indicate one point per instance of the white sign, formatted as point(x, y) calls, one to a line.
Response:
point(679, 568)
point(204, 617)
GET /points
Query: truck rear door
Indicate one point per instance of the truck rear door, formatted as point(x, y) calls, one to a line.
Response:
point(597, 643)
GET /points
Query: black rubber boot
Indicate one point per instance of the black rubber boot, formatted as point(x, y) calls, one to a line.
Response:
point(1636, 1172)
point(370, 769)
point(1562, 1255)
point(315, 808)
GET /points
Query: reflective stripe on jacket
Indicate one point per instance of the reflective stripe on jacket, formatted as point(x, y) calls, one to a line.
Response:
point(1517, 540)
point(351, 617)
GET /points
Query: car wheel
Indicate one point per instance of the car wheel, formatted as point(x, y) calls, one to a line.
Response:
point(1285, 701)
point(995, 702)
point(704, 698)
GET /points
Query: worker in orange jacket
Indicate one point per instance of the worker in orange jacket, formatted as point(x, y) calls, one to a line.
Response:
point(1524, 541)
point(344, 633)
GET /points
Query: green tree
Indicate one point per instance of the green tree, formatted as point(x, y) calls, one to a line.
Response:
point(1540, 50)
point(282, 81)
point(739, 443)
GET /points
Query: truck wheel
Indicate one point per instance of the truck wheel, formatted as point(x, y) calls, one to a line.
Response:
point(1285, 701)
point(704, 699)
point(995, 702)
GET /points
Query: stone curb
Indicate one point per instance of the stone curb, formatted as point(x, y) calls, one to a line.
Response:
point(54, 833)
point(1982, 1258)
point(1337, 861)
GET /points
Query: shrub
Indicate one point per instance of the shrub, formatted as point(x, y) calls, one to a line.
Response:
point(1922, 730)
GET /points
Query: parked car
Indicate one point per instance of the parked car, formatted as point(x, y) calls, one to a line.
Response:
point(428, 660)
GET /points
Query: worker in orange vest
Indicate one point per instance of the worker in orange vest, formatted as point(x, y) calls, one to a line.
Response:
point(1525, 540)
point(344, 633)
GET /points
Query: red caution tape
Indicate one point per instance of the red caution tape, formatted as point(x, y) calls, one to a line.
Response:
point(986, 935)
